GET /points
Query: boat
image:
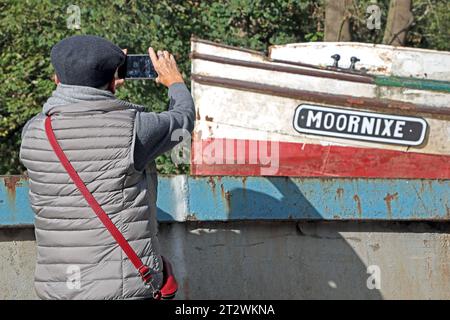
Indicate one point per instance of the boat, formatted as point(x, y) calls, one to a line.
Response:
point(321, 110)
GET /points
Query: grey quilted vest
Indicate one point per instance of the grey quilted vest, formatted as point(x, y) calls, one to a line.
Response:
point(77, 258)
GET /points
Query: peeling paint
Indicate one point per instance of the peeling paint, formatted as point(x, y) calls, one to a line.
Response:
point(339, 192)
point(212, 183)
point(388, 199)
point(226, 196)
point(244, 180)
point(11, 182)
point(182, 198)
point(358, 205)
point(244, 190)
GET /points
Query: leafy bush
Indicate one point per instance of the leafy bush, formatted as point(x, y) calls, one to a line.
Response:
point(30, 28)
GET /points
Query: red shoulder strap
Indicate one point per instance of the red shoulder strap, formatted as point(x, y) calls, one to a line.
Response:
point(144, 270)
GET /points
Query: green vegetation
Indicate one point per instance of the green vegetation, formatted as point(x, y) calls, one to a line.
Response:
point(28, 30)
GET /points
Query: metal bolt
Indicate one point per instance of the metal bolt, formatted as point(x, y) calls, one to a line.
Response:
point(336, 59)
point(353, 61)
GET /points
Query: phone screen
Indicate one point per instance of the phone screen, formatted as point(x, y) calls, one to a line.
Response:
point(138, 66)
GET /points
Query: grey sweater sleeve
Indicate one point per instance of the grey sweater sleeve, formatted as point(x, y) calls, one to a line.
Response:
point(154, 130)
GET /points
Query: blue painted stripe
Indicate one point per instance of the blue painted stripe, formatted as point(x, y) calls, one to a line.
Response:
point(273, 198)
point(294, 198)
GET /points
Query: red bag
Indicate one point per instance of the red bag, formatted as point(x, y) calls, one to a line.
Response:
point(169, 286)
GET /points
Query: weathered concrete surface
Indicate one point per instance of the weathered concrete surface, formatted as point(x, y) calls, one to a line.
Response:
point(17, 258)
point(279, 260)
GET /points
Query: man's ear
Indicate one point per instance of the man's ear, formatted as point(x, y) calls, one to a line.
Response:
point(55, 78)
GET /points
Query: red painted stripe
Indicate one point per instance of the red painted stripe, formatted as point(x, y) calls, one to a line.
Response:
point(312, 160)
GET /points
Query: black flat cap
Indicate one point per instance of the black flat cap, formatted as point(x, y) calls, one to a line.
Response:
point(86, 60)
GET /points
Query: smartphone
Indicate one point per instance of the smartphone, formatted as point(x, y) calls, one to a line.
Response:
point(137, 66)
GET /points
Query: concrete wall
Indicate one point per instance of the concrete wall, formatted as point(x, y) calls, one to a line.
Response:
point(279, 260)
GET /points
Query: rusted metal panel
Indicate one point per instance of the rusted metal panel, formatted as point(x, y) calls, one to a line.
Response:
point(269, 198)
point(215, 198)
point(14, 205)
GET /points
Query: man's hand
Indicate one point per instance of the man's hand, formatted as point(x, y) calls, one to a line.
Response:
point(166, 67)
